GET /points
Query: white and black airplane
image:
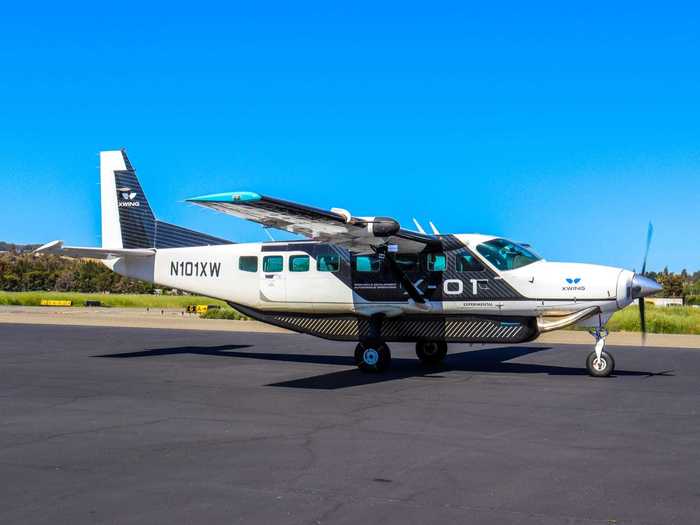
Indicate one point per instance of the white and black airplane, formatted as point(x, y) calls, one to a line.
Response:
point(363, 279)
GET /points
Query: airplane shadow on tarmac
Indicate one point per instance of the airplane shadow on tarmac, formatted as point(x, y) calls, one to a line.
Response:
point(487, 360)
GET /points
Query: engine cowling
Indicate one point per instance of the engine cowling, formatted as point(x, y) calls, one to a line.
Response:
point(383, 226)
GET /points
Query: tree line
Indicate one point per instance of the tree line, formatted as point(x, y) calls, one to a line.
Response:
point(24, 272)
point(683, 284)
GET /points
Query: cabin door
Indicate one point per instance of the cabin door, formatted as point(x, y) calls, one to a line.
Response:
point(273, 284)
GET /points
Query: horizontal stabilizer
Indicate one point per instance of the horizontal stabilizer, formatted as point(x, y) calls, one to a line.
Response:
point(57, 248)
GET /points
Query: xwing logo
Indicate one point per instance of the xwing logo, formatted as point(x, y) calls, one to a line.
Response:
point(573, 284)
point(127, 198)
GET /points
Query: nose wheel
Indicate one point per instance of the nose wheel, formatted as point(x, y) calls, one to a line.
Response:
point(601, 366)
point(372, 357)
point(600, 363)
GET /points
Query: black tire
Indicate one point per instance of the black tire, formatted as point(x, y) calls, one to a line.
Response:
point(431, 353)
point(372, 357)
point(604, 369)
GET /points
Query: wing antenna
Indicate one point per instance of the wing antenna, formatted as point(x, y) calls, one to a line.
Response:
point(420, 228)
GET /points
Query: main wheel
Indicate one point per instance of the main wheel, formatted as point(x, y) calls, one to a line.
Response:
point(372, 357)
point(431, 352)
point(602, 367)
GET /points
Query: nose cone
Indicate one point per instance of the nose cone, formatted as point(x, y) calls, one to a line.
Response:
point(643, 286)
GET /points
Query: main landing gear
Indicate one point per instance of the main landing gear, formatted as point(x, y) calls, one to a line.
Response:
point(375, 356)
point(599, 362)
point(431, 353)
point(372, 354)
point(372, 357)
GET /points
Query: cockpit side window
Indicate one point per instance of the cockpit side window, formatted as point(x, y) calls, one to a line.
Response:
point(506, 255)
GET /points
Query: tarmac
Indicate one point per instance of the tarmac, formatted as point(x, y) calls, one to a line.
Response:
point(101, 424)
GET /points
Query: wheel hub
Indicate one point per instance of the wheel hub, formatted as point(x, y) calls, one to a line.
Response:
point(430, 348)
point(599, 364)
point(370, 356)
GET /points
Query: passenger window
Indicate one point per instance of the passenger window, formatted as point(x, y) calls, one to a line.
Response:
point(367, 263)
point(408, 262)
point(248, 264)
point(328, 263)
point(273, 263)
point(436, 262)
point(299, 263)
point(465, 262)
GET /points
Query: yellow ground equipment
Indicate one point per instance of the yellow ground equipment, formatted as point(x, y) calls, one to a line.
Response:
point(55, 302)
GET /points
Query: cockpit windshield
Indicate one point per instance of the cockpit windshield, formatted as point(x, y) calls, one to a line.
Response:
point(506, 255)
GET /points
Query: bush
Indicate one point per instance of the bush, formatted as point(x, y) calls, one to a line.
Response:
point(223, 313)
point(668, 320)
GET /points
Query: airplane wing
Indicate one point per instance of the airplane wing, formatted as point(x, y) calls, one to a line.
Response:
point(57, 248)
point(337, 226)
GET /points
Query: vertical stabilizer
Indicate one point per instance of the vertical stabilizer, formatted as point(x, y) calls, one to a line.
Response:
point(127, 218)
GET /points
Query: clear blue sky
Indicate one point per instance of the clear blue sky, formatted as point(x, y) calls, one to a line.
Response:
point(567, 127)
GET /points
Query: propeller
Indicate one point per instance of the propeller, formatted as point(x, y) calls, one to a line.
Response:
point(642, 312)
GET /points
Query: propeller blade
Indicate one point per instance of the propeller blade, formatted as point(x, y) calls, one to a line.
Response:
point(642, 320)
point(650, 232)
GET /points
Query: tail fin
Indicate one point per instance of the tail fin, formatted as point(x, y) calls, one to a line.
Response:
point(127, 219)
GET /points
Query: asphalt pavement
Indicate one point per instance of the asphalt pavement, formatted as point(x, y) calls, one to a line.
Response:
point(130, 425)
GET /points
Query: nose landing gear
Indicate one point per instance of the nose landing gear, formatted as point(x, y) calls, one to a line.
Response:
point(599, 362)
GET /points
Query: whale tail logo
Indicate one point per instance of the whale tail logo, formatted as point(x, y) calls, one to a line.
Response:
point(127, 194)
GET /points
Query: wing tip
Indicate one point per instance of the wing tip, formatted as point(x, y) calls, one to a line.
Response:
point(229, 197)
